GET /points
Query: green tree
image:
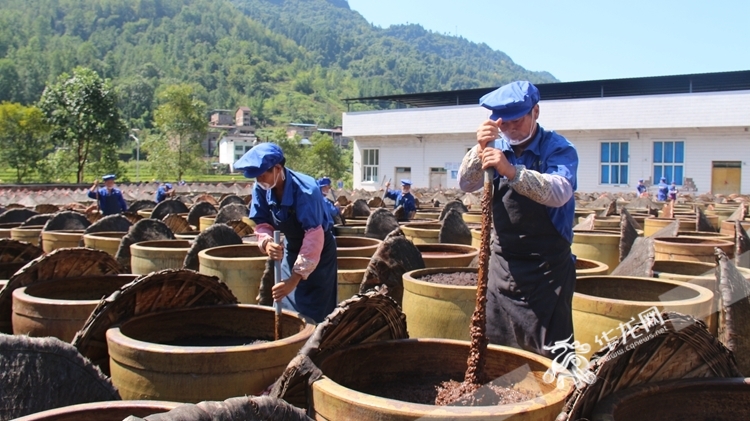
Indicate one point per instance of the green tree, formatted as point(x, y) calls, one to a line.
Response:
point(326, 157)
point(82, 113)
point(9, 86)
point(182, 126)
point(23, 136)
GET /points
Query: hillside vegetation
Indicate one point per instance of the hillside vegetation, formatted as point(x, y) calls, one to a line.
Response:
point(289, 60)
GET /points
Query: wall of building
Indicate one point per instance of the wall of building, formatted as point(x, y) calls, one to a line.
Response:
point(409, 151)
point(714, 127)
point(702, 147)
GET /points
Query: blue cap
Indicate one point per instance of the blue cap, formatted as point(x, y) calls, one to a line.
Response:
point(325, 181)
point(406, 182)
point(167, 185)
point(640, 181)
point(663, 179)
point(259, 159)
point(108, 177)
point(511, 101)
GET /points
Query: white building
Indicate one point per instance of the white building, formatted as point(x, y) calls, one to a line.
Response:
point(232, 147)
point(690, 128)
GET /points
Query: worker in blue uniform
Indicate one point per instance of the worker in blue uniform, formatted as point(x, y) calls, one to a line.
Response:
point(164, 191)
point(325, 188)
point(291, 202)
point(402, 197)
point(662, 190)
point(532, 270)
point(641, 188)
point(673, 191)
point(109, 197)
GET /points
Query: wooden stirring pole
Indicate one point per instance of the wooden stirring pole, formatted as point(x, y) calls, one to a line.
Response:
point(475, 374)
point(276, 281)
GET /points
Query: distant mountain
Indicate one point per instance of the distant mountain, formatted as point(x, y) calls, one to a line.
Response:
point(289, 60)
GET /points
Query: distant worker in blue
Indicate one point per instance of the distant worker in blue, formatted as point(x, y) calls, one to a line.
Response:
point(402, 197)
point(662, 191)
point(291, 202)
point(641, 188)
point(109, 197)
point(532, 273)
point(673, 192)
point(325, 188)
point(164, 191)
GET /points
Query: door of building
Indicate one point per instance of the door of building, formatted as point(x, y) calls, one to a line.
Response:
point(725, 177)
point(438, 178)
point(399, 174)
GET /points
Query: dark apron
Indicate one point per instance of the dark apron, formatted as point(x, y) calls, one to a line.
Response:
point(531, 277)
point(109, 205)
point(315, 297)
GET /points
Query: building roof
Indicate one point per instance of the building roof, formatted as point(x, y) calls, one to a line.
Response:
point(654, 85)
point(237, 138)
point(678, 111)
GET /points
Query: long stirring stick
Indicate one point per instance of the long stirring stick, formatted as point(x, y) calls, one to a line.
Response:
point(276, 281)
point(478, 352)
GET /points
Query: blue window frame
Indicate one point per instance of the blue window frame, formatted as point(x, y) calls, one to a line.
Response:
point(669, 161)
point(613, 160)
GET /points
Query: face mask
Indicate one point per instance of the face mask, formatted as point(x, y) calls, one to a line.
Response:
point(266, 186)
point(514, 142)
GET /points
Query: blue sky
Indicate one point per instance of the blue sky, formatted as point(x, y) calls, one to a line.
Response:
point(588, 40)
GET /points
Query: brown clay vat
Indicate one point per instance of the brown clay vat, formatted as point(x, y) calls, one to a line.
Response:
point(588, 267)
point(447, 255)
point(103, 411)
point(351, 229)
point(719, 215)
point(707, 235)
point(241, 267)
point(5, 229)
point(602, 303)
point(29, 234)
point(472, 217)
point(356, 246)
point(205, 222)
point(425, 214)
point(436, 310)
point(106, 241)
point(476, 238)
point(652, 225)
point(53, 240)
point(599, 246)
point(690, 249)
point(727, 227)
point(187, 235)
point(61, 308)
point(351, 270)
point(699, 273)
point(203, 353)
point(422, 233)
point(355, 377)
point(605, 223)
point(151, 256)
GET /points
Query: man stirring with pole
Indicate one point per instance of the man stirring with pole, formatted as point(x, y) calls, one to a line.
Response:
point(291, 202)
point(532, 270)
